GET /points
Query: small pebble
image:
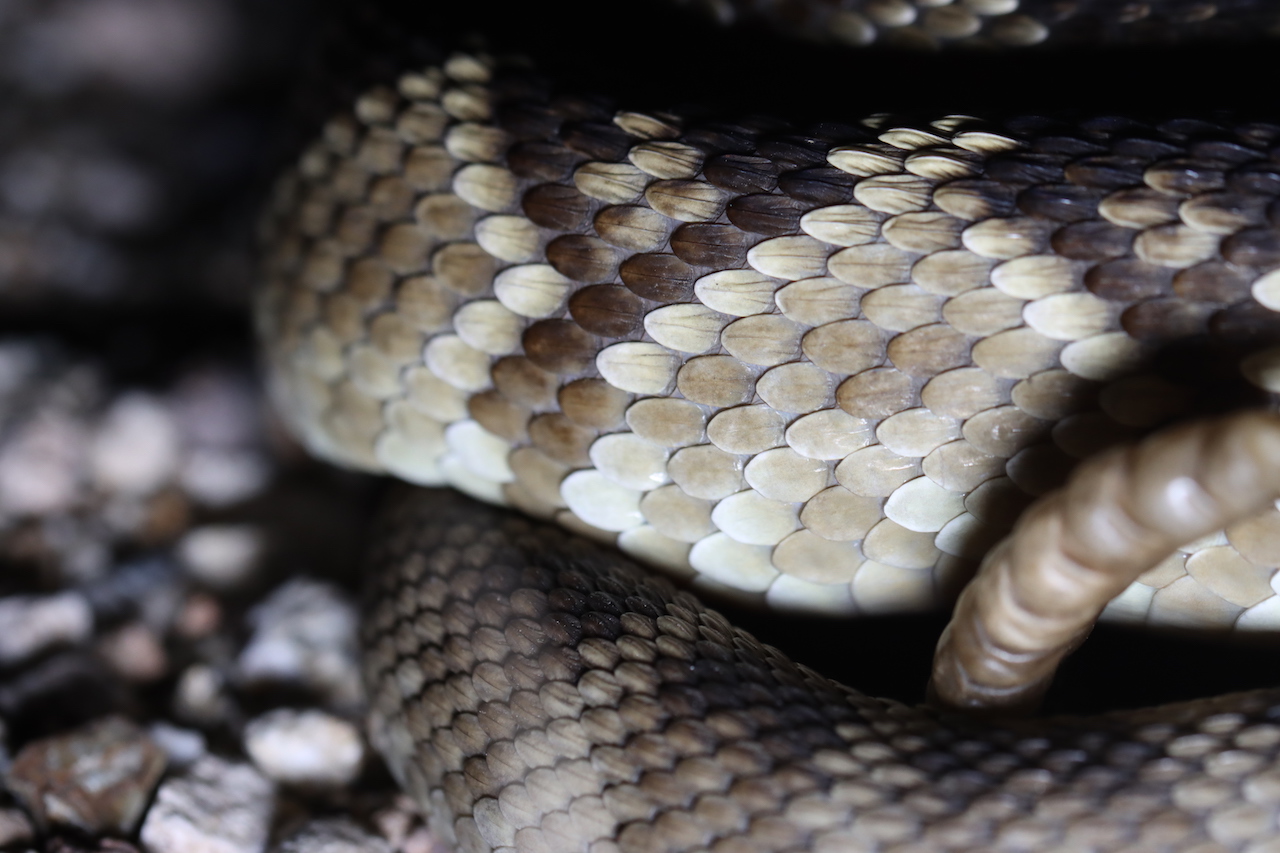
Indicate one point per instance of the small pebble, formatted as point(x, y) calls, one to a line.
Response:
point(332, 835)
point(215, 807)
point(136, 450)
point(40, 465)
point(201, 695)
point(423, 840)
point(219, 477)
point(221, 555)
point(134, 652)
point(94, 779)
point(183, 746)
point(198, 616)
point(15, 828)
point(305, 748)
point(305, 634)
point(33, 624)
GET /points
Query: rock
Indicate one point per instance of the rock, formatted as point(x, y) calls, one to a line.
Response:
point(95, 779)
point(222, 556)
point(33, 624)
point(40, 465)
point(215, 807)
point(137, 447)
point(200, 695)
point(15, 828)
point(183, 746)
point(134, 652)
point(305, 748)
point(305, 635)
point(423, 840)
point(332, 835)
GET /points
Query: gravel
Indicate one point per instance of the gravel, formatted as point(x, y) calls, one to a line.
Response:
point(94, 779)
point(309, 749)
point(216, 806)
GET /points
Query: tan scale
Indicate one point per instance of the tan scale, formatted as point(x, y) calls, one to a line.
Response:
point(886, 385)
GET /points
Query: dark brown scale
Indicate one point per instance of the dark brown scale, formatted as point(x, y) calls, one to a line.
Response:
point(560, 346)
point(1092, 241)
point(1128, 280)
point(528, 122)
point(583, 258)
point(1225, 151)
point(660, 277)
point(1022, 167)
point(820, 186)
point(1066, 146)
point(1189, 127)
point(1256, 247)
point(1248, 322)
point(1167, 319)
point(1108, 172)
point(770, 215)
point(795, 152)
point(1108, 126)
point(717, 139)
point(596, 108)
point(1213, 281)
point(1060, 202)
point(558, 207)
point(742, 173)
point(1259, 178)
point(521, 381)
point(1145, 149)
point(542, 161)
point(608, 310)
point(605, 625)
point(562, 628)
point(599, 141)
point(716, 246)
point(499, 415)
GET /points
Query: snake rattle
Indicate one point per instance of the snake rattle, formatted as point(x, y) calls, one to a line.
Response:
point(822, 367)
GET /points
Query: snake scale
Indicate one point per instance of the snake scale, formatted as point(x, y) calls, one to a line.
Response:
point(822, 367)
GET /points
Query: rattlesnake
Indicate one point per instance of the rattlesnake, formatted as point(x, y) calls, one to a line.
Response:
point(824, 367)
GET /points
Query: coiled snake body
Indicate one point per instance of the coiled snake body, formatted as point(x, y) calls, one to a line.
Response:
point(823, 367)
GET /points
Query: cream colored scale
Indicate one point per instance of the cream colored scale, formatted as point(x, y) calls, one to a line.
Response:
point(819, 430)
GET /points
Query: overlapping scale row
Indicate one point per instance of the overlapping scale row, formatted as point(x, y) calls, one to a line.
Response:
point(534, 693)
point(826, 367)
point(988, 24)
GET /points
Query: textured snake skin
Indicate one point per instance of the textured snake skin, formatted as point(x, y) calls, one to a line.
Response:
point(827, 366)
point(824, 367)
point(541, 694)
point(990, 24)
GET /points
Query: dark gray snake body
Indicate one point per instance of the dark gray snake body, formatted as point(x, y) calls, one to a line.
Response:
point(821, 365)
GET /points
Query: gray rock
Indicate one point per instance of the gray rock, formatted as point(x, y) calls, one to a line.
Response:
point(201, 697)
point(15, 828)
point(222, 556)
point(95, 779)
point(305, 634)
point(215, 807)
point(183, 746)
point(137, 448)
point(33, 624)
point(332, 835)
point(305, 748)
